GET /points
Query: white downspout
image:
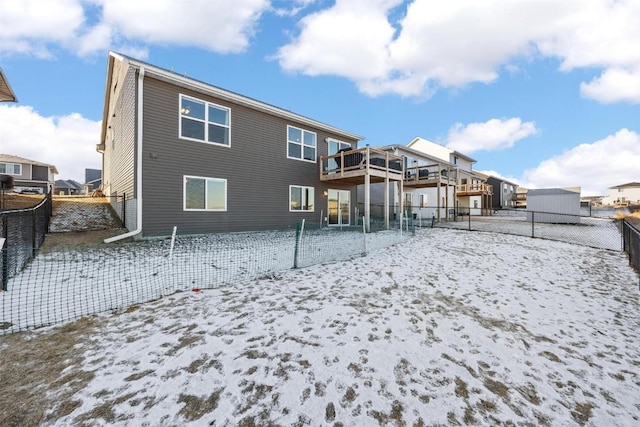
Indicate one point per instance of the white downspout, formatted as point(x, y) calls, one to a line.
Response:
point(138, 229)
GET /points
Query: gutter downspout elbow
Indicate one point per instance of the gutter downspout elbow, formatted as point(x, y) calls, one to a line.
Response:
point(138, 229)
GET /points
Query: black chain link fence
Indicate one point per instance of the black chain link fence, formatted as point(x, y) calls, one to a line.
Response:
point(596, 232)
point(22, 232)
point(65, 283)
point(631, 242)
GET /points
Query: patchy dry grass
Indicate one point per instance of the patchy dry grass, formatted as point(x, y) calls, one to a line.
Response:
point(35, 364)
point(21, 201)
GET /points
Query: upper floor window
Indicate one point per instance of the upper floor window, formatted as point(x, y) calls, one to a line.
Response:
point(205, 194)
point(204, 121)
point(301, 198)
point(11, 168)
point(301, 144)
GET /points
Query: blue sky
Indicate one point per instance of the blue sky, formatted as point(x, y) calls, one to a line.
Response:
point(545, 93)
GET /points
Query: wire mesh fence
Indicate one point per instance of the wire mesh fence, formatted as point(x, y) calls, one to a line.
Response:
point(65, 283)
point(21, 228)
point(597, 232)
point(631, 242)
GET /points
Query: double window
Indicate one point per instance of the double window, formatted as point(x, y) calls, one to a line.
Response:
point(204, 121)
point(301, 144)
point(205, 194)
point(300, 198)
point(11, 168)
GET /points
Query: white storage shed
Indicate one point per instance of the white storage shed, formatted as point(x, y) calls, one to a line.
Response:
point(554, 205)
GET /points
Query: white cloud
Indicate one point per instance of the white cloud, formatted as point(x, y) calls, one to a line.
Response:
point(68, 142)
point(450, 44)
point(494, 134)
point(595, 167)
point(614, 85)
point(85, 27)
point(222, 26)
point(349, 39)
point(32, 26)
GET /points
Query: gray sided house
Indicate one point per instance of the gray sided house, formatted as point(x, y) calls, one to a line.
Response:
point(504, 193)
point(188, 154)
point(28, 175)
point(554, 205)
point(92, 180)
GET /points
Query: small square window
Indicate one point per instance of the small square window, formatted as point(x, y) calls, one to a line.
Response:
point(301, 144)
point(301, 199)
point(205, 194)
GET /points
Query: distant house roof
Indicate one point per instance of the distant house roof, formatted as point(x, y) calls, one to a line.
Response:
point(418, 140)
point(628, 185)
point(10, 158)
point(550, 192)
point(68, 183)
point(414, 152)
point(492, 177)
point(183, 81)
point(6, 93)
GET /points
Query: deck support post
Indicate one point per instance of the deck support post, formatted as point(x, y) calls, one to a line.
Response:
point(367, 202)
point(386, 202)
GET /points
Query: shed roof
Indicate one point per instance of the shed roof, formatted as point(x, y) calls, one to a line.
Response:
point(550, 192)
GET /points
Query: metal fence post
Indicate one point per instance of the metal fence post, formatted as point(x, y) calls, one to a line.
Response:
point(124, 210)
point(469, 219)
point(34, 231)
point(532, 224)
point(295, 252)
point(5, 254)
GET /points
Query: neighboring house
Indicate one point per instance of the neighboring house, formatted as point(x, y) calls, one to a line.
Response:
point(521, 198)
point(28, 175)
point(473, 195)
point(428, 188)
point(594, 201)
point(623, 195)
point(504, 193)
point(67, 187)
point(6, 93)
point(188, 154)
point(554, 205)
point(92, 180)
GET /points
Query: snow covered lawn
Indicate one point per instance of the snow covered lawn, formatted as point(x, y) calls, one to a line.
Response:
point(449, 328)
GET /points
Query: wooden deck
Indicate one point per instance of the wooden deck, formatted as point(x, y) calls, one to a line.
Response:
point(474, 190)
point(429, 176)
point(351, 167)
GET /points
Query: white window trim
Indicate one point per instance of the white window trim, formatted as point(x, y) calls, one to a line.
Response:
point(315, 157)
point(205, 178)
point(205, 121)
point(339, 142)
point(12, 166)
point(306, 188)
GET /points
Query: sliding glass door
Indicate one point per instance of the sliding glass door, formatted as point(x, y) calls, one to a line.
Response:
point(339, 207)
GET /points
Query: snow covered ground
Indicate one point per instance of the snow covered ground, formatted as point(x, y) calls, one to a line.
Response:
point(449, 328)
